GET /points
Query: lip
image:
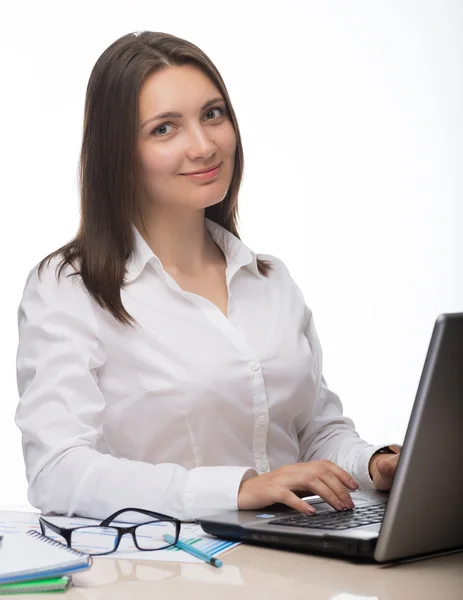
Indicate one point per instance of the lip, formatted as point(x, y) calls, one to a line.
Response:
point(205, 174)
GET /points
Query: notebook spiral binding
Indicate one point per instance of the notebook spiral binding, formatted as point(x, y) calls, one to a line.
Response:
point(52, 542)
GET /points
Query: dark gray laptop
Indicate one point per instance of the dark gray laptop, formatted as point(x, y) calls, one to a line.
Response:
point(423, 513)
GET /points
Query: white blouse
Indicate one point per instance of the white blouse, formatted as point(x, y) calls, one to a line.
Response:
point(170, 415)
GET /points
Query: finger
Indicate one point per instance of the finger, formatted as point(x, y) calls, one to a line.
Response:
point(338, 488)
point(326, 493)
point(385, 471)
point(343, 476)
point(290, 499)
point(387, 468)
point(392, 460)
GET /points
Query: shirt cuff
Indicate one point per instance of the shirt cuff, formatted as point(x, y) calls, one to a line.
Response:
point(362, 475)
point(211, 490)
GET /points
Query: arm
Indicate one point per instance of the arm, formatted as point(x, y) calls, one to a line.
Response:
point(328, 434)
point(60, 415)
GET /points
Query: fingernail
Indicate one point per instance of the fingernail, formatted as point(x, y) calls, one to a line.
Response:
point(341, 506)
point(311, 510)
point(354, 483)
point(348, 503)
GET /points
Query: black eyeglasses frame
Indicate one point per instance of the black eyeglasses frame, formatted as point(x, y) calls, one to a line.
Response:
point(66, 532)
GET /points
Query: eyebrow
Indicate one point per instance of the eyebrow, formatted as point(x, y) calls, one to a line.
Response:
point(177, 115)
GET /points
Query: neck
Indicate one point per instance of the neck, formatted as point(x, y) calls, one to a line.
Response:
point(180, 241)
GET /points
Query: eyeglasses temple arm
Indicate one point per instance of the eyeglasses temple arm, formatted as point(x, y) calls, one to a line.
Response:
point(52, 526)
point(144, 511)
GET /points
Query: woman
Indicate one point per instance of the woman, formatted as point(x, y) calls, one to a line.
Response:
point(161, 363)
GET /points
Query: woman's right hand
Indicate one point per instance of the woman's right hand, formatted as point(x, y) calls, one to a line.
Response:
point(322, 477)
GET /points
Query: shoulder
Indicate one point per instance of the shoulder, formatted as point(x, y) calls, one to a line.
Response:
point(48, 286)
point(51, 275)
point(56, 318)
point(279, 270)
point(281, 278)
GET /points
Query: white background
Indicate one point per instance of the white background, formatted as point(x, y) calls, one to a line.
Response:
point(351, 118)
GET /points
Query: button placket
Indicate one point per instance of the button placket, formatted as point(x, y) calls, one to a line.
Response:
point(260, 416)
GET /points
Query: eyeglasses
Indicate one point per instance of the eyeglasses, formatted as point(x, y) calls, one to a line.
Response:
point(146, 536)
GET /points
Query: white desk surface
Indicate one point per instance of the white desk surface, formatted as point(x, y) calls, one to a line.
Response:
point(257, 573)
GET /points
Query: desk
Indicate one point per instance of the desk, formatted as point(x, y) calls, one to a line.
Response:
point(257, 573)
point(251, 572)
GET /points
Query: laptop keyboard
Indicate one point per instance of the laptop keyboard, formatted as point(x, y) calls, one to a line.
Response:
point(363, 515)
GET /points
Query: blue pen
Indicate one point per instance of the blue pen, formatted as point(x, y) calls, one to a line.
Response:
point(216, 562)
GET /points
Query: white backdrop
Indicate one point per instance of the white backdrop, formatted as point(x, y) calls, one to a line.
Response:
point(352, 128)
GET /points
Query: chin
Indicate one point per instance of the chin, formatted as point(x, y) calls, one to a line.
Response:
point(209, 204)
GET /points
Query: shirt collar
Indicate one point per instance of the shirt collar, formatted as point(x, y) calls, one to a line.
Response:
point(232, 247)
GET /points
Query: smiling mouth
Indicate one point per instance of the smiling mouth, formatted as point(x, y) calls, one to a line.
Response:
point(203, 172)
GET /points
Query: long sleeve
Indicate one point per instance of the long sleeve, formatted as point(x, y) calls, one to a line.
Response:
point(329, 434)
point(60, 415)
point(326, 433)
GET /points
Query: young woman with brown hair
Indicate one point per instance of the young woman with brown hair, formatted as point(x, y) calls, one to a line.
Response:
point(163, 364)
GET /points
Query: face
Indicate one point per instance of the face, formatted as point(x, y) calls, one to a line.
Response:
point(198, 137)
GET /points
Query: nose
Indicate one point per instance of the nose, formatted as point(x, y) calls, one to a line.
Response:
point(200, 144)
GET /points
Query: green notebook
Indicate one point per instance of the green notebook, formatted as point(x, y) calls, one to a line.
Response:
point(56, 584)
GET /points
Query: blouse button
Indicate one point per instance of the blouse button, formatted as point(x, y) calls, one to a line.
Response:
point(253, 365)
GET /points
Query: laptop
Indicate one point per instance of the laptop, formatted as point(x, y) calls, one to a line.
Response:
point(421, 515)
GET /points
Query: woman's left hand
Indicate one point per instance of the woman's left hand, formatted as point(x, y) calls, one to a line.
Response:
point(382, 468)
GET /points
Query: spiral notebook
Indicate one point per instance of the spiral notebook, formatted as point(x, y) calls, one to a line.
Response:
point(28, 556)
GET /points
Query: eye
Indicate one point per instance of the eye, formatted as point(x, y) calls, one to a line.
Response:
point(164, 125)
point(222, 111)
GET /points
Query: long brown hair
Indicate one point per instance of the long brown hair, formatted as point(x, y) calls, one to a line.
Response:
point(109, 187)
